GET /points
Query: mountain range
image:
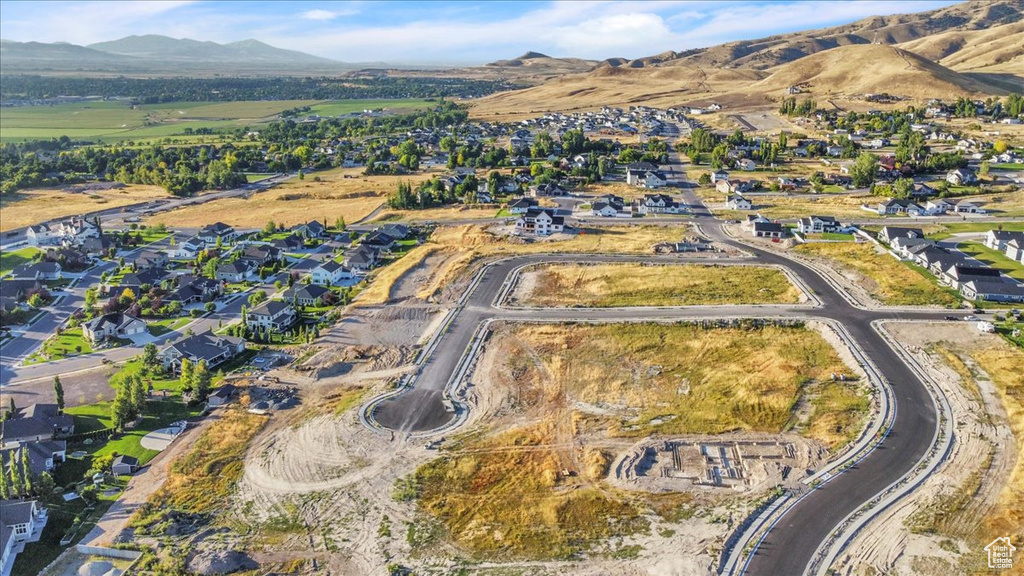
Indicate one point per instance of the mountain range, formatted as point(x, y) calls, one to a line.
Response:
point(155, 54)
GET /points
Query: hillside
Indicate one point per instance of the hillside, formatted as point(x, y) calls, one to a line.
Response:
point(537, 66)
point(871, 69)
point(996, 49)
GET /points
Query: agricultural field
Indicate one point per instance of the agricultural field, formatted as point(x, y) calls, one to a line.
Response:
point(342, 192)
point(119, 121)
point(29, 207)
point(883, 277)
point(613, 285)
point(574, 395)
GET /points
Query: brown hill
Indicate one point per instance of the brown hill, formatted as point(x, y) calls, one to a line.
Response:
point(996, 49)
point(872, 69)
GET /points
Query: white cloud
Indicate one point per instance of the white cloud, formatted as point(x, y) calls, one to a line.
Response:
point(606, 36)
point(325, 15)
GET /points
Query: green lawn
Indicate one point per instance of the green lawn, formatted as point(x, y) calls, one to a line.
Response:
point(69, 343)
point(1006, 166)
point(165, 325)
point(257, 176)
point(948, 230)
point(340, 107)
point(993, 258)
point(11, 260)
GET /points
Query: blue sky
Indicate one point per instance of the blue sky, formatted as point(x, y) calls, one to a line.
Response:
point(442, 31)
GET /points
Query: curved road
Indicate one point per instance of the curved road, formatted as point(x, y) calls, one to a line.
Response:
point(791, 543)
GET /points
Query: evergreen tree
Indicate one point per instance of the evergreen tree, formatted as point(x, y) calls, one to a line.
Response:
point(5, 486)
point(121, 411)
point(137, 393)
point(17, 488)
point(58, 391)
point(149, 355)
point(26, 472)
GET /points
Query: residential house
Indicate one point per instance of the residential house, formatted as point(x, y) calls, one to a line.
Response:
point(768, 230)
point(221, 396)
point(752, 219)
point(654, 179)
point(208, 347)
point(540, 222)
point(660, 204)
point(113, 325)
point(306, 294)
point(746, 164)
point(610, 206)
point(35, 423)
point(1015, 249)
point(362, 258)
point(330, 273)
point(74, 231)
point(211, 232)
point(312, 229)
point(818, 224)
point(965, 207)
point(273, 315)
point(260, 255)
point(124, 465)
point(938, 206)
point(21, 522)
point(189, 249)
point(738, 202)
point(234, 272)
point(150, 259)
point(396, 231)
point(719, 175)
point(42, 235)
point(96, 247)
point(139, 278)
point(1001, 290)
point(548, 189)
point(963, 272)
point(889, 233)
point(193, 290)
point(961, 177)
point(18, 289)
point(997, 239)
point(909, 247)
point(43, 456)
point(37, 271)
point(289, 243)
point(896, 206)
point(521, 205)
point(636, 172)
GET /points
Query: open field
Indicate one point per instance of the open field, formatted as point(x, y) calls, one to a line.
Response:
point(1001, 203)
point(573, 396)
point(118, 121)
point(611, 285)
point(459, 212)
point(29, 207)
point(845, 207)
point(887, 280)
point(296, 201)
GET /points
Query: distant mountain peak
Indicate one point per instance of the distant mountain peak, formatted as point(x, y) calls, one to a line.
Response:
point(532, 56)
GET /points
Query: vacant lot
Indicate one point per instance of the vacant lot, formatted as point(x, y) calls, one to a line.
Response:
point(886, 279)
point(842, 206)
point(29, 207)
point(343, 192)
point(611, 285)
point(572, 396)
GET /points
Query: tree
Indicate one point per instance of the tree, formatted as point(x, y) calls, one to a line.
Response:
point(999, 146)
point(58, 391)
point(26, 472)
point(269, 228)
point(864, 170)
point(5, 485)
point(983, 169)
point(339, 224)
point(149, 355)
point(201, 379)
point(17, 488)
point(209, 307)
point(704, 179)
point(122, 410)
point(185, 379)
point(45, 484)
point(902, 188)
point(137, 393)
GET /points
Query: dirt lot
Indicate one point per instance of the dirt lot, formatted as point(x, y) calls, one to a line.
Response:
point(34, 206)
point(611, 285)
point(978, 494)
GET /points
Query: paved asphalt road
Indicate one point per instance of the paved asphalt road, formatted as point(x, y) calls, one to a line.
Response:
point(789, 546)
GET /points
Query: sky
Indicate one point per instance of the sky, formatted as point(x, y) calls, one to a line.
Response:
point(441, 32)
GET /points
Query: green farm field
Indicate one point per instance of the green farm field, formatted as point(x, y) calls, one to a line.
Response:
point(118, 121)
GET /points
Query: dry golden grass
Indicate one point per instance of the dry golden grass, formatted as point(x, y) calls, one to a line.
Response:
point(1004, 364)
point(383, 280)
point(680, 378)
point(500, 492)
point(297, 201)
point(611, 285)
point(30, 207)
point(460, 212)
point(1002, 203)
point(201, 481)
point(887, 280)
